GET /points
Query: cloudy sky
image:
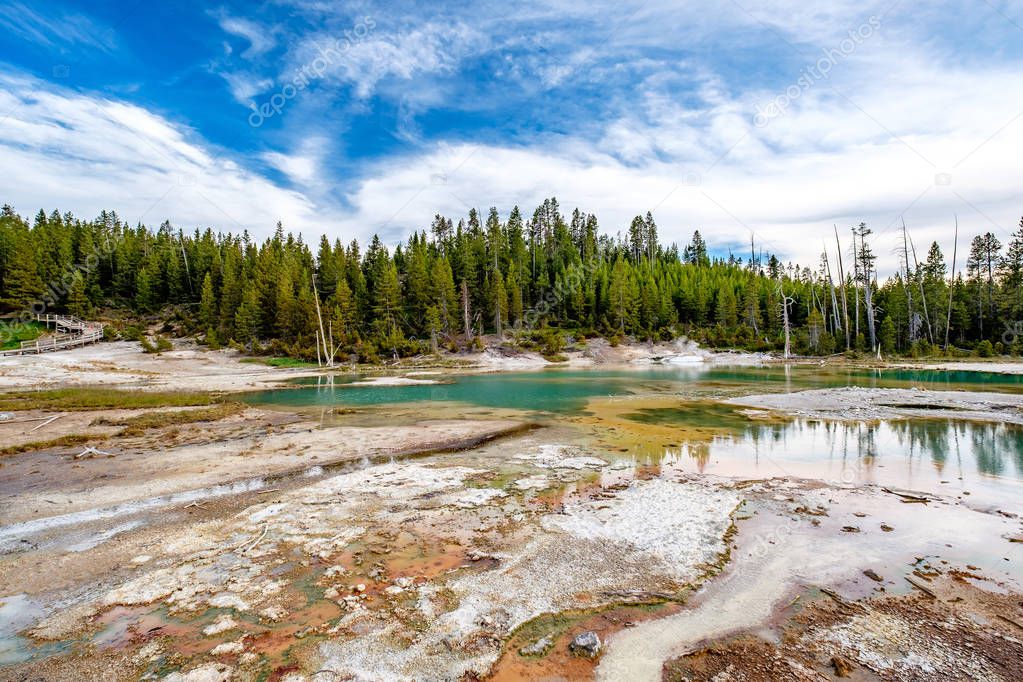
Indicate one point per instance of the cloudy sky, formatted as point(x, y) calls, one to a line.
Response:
point(742, 119)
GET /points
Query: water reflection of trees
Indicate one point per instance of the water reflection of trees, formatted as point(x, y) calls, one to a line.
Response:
point(994, 449)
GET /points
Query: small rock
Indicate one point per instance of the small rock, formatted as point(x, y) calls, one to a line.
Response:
point(273, 614)
point(331, 593)
point(221, 624)
point(886, 528)
point(228, 648)
point(843, 668)
point(872, 575)
point(361, 587)
point(850, 529)
point(148, 653)
point(585, 644)
point(141, 559)
point(537, 648)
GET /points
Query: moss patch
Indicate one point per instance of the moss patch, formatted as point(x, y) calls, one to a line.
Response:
point(135, 426)
point(75, 399)
point(62, 442)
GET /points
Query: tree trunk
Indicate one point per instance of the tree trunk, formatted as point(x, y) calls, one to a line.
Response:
point(951, 282)
point(322, 336)
point(845, 300)
point(923, 296)
point(465, 311)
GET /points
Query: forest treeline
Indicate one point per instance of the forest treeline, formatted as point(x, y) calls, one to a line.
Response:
point(533, 280)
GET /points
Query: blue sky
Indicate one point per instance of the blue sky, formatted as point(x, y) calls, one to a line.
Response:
point(741, 119)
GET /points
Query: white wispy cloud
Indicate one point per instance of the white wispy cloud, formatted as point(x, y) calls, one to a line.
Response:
point(86, 153)
point(904, 125)
point(404, 55)
point(927, 141)
point(261, 39)
point(245, 86)
point(54, 29)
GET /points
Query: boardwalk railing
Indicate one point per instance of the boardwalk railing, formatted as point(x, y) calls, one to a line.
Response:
point(70, 332)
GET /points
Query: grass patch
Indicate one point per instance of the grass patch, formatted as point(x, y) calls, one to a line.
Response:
point(137, 425)
point(62, 442)
point(17, 333)
point(81, 399)
point(280, 362)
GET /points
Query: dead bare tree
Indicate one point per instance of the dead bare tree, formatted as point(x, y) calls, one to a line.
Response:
point(952, 281)
point(834, 296)
point(845, 300)
point(786, 301)
point(923, 297)
point(910, 314)
point(865, 268)
point(322, 337)
point(465, 311)
point(856, 281)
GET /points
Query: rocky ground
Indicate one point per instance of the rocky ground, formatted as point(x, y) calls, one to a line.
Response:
point(191, 367)
point(859, 404)
point(286, 545)
point(955, 626)
point(409, 570)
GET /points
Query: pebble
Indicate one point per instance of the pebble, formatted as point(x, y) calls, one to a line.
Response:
point(227, 648)
point(585, 644)
point(537, 648)
point(221, 624)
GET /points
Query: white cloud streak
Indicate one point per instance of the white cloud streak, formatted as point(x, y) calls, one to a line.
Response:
point(82, 153)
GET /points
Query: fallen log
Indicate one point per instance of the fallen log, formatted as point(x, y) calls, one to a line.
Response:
point(45, 423)
point(907, 497)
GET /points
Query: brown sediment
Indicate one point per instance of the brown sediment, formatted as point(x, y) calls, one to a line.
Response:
point(558, 662)
point(743, 657)
point(957, 634)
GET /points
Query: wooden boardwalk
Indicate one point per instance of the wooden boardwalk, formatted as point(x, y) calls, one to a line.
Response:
point(69, 332)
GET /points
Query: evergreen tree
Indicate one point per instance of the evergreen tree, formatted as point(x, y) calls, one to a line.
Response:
point(22, 286)
point(1010, 272)
point(77, 303)
point(248, 319)
point(727, 308)
point(208, 314)
point(622, 297)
